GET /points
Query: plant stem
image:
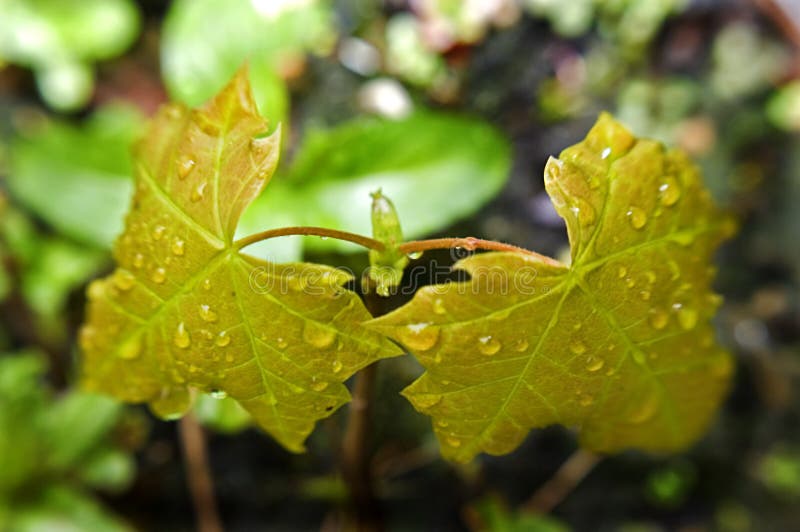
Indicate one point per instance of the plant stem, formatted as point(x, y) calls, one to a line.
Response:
point(364, 241)
point(356, 455)
point(559, 486)
point(198, 474)
point(469, 243)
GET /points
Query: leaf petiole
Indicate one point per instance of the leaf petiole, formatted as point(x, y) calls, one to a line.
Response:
point(364, 241)
point(470, 243)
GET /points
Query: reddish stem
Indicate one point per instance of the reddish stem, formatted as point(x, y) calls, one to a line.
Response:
point(470, 243)
point(364, 241)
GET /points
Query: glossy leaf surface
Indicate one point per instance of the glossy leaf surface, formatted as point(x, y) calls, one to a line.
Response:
point(618, 344)
point(186, 311)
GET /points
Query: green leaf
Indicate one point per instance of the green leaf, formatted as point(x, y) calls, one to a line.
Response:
point(87, 168)
point(222, 414)
point(59, 39)
point(65, 509)
point(205, 42)
point(386, 267)
point(619, 344)
point(437, 169)
point(186, 311)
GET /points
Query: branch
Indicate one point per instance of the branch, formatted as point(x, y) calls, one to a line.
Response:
point(561, 484)
point(364, 241)
point(198, 474)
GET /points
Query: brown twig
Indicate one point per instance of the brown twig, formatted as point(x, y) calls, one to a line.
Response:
point(469, 243)
point(559, 486)
point(356, 455)
point(365, 241)
point(198, 474)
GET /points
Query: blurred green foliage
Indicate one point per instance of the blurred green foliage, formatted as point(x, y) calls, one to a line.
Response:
point(53, 451)
point(60, 39)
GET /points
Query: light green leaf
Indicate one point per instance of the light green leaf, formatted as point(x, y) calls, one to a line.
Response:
point(619, 344)
point(187, 311)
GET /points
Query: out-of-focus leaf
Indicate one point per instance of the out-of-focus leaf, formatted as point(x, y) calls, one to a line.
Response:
point(65, 509)
point(495, 516)
point(78, 179)
point(783, 108)
point(47, 442)
point(206, 41)
point(59, 39)
point(619, 343)
point(386, 266)
point(222, 414)
point(436, 168)
point(186, 310)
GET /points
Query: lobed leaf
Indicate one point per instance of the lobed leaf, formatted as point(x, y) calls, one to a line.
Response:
point(619, 344)
point(186, 311)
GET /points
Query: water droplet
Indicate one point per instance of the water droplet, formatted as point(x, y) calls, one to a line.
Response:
point(687, 317)
point(426, 400)
point(318, 335)
point(159, 275)
point(132, 347)
point(207, 314)
point(318, 386)
point(630, 282)
point(199, 191)
point(337, 366)
point(650, 276)
point(583, 211)
point(639, 357)
point(419, 336)
point(207, 284)
point(218, 394)
point(622, 272)
point(683, 238)
point(605, 153)
point(229, 357)
point(585, 400)
point(223, 339)
point(178, 246)
point(124, 280)
point(645, 295)
point(414, 255)
point(185, 166)
point(637, 217)
point(438, 306)
point(577, 347)
point(281, 343)
point(658, 319)
point(488, 345)
point(594, 363)
point(646, 409)
point(442, 423)
point(158, 232)
point(670, 191)
point(181, 337)
point(453, 442)
point(138, 260)
point(521, 345)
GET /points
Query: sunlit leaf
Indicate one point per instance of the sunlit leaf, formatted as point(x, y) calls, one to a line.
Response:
point(619, 344)
point(186, 311)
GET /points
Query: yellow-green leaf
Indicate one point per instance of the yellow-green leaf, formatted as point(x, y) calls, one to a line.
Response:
point(619, 344)
point(186, 311)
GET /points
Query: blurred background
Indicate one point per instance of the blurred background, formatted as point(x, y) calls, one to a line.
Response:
point(452, 107)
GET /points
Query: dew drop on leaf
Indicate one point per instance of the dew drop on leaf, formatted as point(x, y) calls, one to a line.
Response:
point(138, 260)
point(577, 347)
point(159, 275)
point(658, 319)
point(318, 385)
point(419, 336)
point(521, 345)
point(178, 247)
point(637, 217)
point(199, 192)
point(669, 191)
point(622, 272)
point(132, 347)
point(687, 317)
point(594, 363)
point(488, 345)
point(158, 232)
point(317, 335)
point(438, 306)
point(185, 166)
point(336, 366)
point(584, 211)
point(281, 342)
point(206, 314)
point(223, 339)
point(453, 442)
point(218, 394)
point(124, 280)
point(181, 337)
point(414, 255)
